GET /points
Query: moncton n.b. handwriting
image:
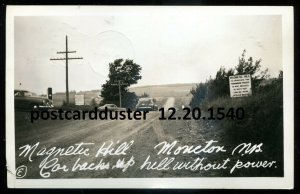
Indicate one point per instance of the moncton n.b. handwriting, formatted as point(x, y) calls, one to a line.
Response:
point(167, 156)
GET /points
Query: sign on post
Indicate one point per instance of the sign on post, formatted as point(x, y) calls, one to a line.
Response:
point(79, 99)
point(240, 85)
point(49, 93)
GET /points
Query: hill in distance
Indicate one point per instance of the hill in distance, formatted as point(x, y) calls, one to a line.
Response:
point(167, 90)
point(154, 91)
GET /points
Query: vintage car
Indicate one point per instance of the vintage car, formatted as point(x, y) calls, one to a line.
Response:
point(25, 100)
point(146, 104)
point(111, 107)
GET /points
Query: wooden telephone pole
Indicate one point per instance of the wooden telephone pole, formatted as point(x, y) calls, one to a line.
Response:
point(120, 97)
point(66, 58)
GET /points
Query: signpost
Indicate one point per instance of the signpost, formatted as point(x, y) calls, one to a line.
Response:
point(49, 93)
point(240, 85)
point(79, 99)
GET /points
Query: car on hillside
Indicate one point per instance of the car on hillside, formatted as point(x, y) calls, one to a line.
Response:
point(111, 107)
point(25, 100)
point(146, 104)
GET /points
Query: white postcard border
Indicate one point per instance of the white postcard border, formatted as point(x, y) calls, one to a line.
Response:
point(285, 182)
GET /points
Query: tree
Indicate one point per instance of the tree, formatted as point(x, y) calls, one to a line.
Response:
point(247, 66)
point(251, 67)
point(127, 72)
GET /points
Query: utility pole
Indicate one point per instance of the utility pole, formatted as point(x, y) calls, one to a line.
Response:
point(66, 58)
point(120, 97)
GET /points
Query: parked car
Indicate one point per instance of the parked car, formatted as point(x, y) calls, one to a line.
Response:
point(111, 107)
point(25, 100)
point(146, 104)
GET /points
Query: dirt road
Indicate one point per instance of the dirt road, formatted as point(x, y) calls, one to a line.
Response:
point(145, 134)
point(169, 103)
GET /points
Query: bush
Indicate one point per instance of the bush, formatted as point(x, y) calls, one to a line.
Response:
point(199, 94)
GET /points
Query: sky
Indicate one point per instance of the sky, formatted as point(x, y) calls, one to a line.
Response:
point(171, 48)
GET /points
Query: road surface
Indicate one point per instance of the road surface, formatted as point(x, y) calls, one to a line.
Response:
point(145, 134)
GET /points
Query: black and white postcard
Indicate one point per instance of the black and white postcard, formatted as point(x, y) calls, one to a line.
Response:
point(150, 97)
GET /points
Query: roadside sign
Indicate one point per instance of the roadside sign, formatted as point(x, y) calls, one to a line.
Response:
point(240, 85)
point(49, 93)
point(79, 99)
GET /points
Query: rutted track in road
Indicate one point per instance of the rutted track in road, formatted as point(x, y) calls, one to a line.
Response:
point(169, 103)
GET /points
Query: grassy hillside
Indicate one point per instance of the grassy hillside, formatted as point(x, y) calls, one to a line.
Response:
point(173, 90)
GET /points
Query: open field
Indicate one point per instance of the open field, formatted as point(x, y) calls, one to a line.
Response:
point(156, 91)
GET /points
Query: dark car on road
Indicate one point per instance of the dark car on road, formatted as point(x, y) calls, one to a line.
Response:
point(25, 100)
point(146, 104)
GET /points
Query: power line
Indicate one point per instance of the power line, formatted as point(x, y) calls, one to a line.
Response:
point(66, 59)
